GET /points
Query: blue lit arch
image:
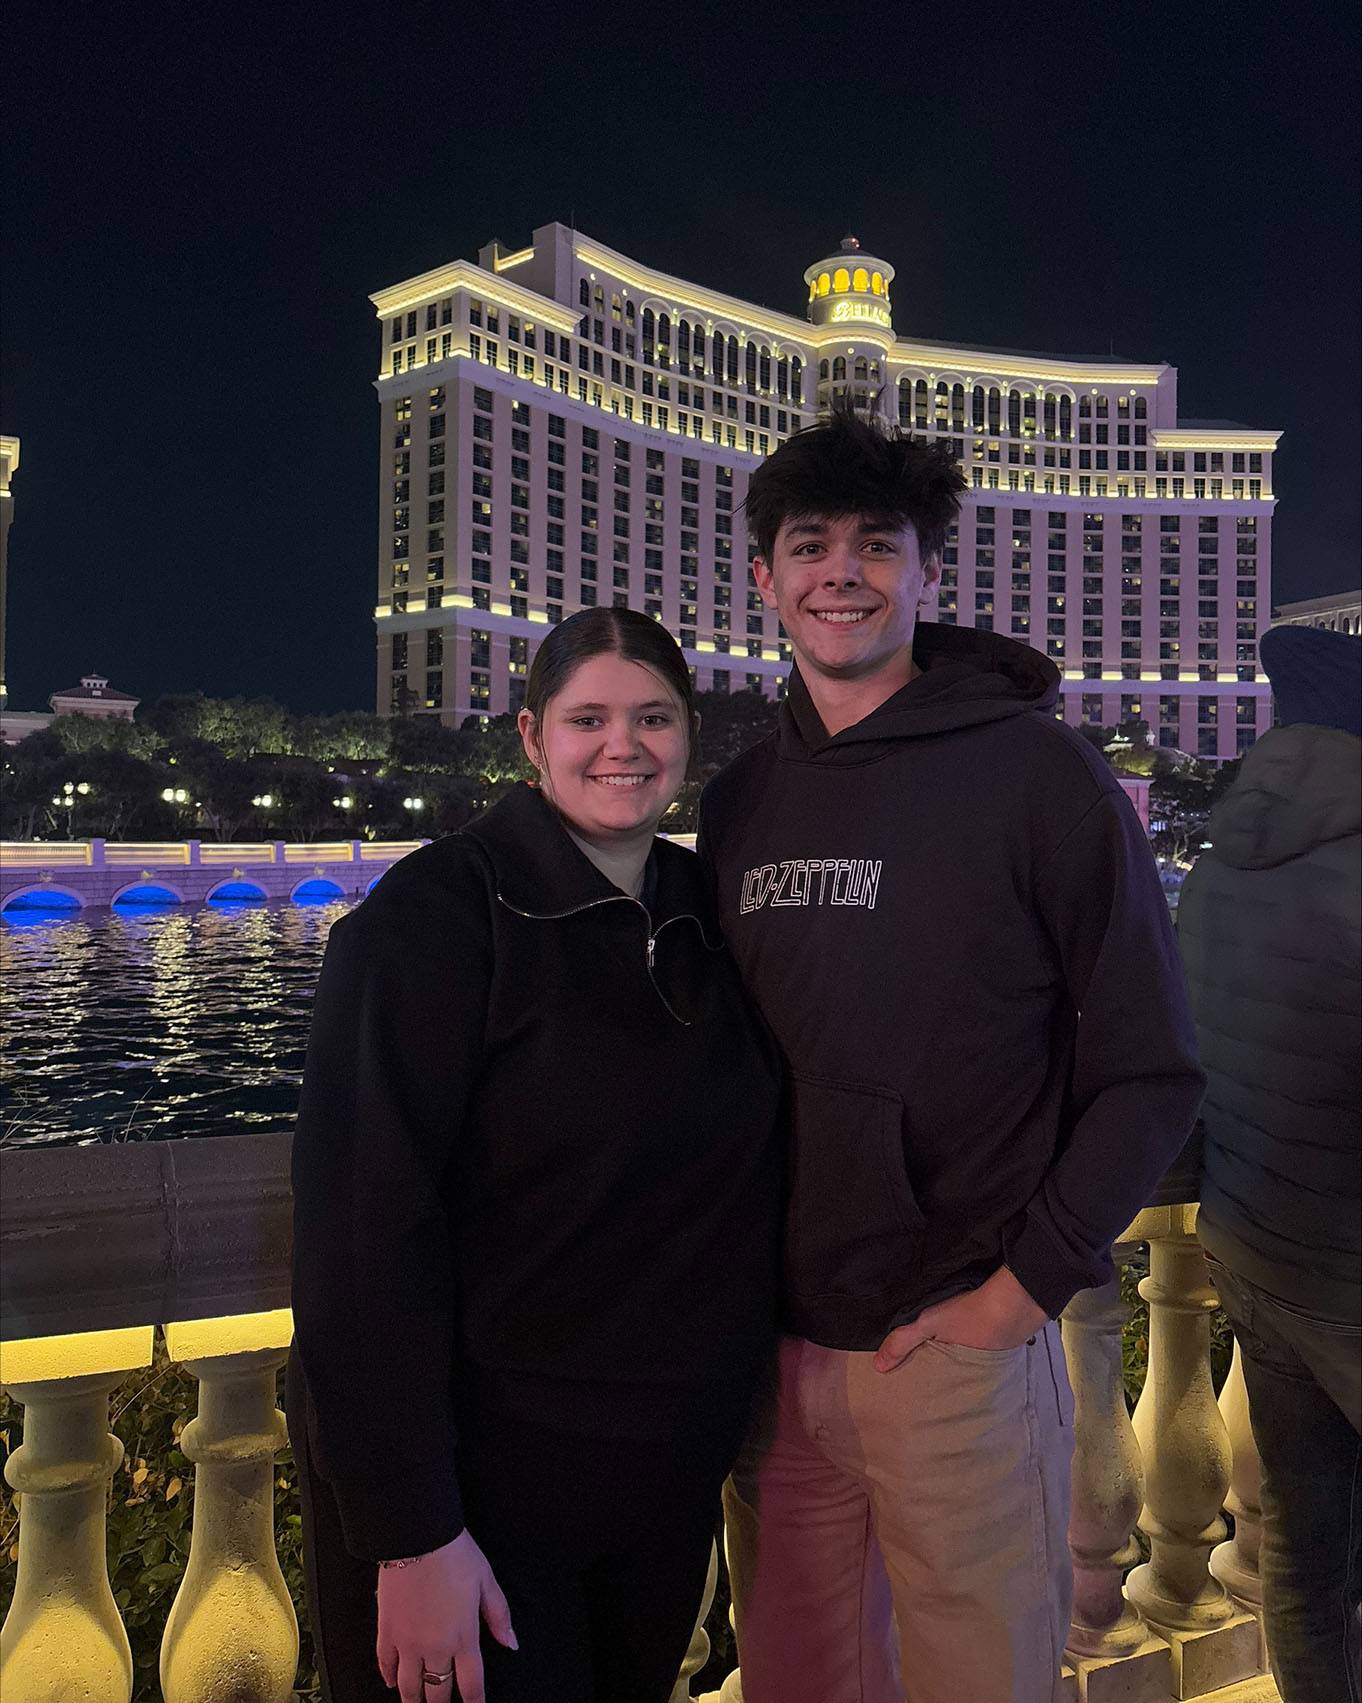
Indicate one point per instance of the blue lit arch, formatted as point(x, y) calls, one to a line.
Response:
point(316, 891)
point(233, 893)
point(40, 904)
point(146, 895)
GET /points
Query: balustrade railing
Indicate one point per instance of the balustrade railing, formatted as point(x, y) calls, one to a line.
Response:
point(100, 1244)
point(172, 854)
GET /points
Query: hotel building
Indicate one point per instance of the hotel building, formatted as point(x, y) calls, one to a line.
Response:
point(9, 466)
point(564, 426)
point(1341, 613)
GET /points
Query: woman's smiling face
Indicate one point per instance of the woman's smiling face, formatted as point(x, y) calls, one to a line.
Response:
point(612, 749)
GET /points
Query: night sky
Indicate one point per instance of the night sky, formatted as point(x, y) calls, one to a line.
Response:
point(199, 200)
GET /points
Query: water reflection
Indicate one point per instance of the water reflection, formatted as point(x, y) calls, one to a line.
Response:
point(152, 1023)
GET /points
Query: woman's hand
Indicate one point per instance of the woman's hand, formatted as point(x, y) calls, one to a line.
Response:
point(429, 1610)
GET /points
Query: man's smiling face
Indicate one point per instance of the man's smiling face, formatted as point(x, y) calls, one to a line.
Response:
point(847, 590)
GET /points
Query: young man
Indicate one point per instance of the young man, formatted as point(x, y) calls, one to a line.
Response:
point(1271, 929)
point(948, 914)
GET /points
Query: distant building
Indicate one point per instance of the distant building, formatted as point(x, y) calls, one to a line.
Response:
point(9, 462)
point(564, 426)
point(1341, 613)
point(16, 725)
point(94, 697)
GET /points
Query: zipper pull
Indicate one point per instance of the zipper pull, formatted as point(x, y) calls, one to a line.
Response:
point(652, 950)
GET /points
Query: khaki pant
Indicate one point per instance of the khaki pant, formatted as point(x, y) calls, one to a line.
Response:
point(905, 1535)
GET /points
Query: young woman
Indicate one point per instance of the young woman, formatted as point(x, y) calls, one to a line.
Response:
point(536, 1180)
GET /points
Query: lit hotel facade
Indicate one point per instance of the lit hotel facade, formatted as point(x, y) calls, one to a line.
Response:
point(564, 426)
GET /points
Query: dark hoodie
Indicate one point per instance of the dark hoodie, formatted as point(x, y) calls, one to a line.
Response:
point(951, 919)
point(1271, 930)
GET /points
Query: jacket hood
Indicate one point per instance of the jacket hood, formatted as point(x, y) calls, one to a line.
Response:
point(541, 873)
point(1299, 788)
point(967, 677)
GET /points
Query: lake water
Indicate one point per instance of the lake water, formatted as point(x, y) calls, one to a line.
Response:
point(148, 1025)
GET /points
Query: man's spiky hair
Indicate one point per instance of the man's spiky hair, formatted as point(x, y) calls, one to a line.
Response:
point(847, 465)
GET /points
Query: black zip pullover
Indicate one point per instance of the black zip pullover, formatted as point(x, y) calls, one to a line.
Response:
point(951, 919)
point(537, 1159)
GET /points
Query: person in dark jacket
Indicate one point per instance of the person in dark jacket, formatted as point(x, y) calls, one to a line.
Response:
point(1271, 929)
point(537, 1175)
point(948, 913)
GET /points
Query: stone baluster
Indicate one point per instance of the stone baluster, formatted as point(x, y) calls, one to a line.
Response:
point(63, 1636)
point(1186, 1453)
point(1236, 1563)
point(698, 1653)
point(734, 1511)
point(232, 1634)
point(1113, 1651)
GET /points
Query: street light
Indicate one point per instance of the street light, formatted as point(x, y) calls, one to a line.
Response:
point(66, 799)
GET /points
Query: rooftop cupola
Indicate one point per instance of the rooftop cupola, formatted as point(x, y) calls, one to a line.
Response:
point(850, 288)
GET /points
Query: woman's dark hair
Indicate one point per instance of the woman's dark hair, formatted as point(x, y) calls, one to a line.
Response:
point(849, 466)
point(608, 632)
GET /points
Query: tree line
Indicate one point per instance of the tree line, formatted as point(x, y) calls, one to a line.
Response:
point(193, 767)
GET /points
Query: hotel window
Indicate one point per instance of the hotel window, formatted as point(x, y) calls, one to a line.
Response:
point(905, 400)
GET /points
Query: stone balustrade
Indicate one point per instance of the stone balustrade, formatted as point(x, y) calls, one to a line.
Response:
point(103, 1245)
point(75, 875)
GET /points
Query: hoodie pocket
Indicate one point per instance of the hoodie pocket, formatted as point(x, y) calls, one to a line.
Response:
point(853, 1226)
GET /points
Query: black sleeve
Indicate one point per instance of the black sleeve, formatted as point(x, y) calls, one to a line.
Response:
point(704, 839)
point(1136, 1083)
point(397, 1035)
